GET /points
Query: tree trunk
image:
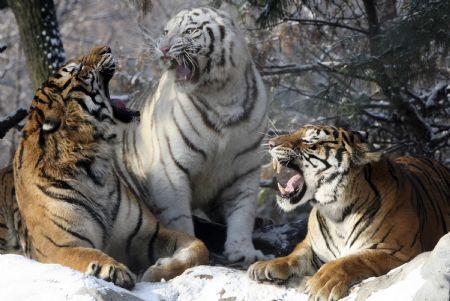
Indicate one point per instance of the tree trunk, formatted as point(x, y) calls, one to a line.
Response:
point(39, 34)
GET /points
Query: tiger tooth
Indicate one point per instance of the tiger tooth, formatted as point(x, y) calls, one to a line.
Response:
point(281, 188)
point(274, 163)
point(278, 167)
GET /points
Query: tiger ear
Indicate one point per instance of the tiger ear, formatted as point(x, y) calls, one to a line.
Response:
point(362, 154)
point(362, 135)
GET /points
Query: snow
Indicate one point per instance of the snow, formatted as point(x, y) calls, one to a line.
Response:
point(404, 289)
point(25, 279)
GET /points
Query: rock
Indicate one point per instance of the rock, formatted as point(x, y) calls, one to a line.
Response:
point(436, 272)
point(426, 277)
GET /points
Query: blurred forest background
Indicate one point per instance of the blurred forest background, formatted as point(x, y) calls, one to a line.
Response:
point(375, 65)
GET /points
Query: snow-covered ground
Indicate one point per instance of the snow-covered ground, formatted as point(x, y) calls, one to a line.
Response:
point(427, 277)
point(24, 279)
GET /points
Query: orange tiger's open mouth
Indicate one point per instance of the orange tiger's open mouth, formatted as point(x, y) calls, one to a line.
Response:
point(293, 187)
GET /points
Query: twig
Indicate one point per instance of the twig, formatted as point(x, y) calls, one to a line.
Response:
point(327, 23)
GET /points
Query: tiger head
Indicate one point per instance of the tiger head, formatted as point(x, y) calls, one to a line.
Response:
point(200, 46)
point(76, 101)
point(321, 157)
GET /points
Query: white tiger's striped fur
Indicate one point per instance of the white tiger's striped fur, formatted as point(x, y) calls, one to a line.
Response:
point(197, 143)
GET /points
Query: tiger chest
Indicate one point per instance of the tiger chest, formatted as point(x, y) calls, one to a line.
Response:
point(331, 241)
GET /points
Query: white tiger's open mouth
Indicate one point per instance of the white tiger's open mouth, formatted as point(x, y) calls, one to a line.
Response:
point(294, 188)
point(185, 70)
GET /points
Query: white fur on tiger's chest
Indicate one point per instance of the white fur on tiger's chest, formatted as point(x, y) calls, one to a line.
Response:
point(337, 240)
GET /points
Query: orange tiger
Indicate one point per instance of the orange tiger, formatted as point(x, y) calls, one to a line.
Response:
point(10, 221)
point(77, 211)
point(371, 213)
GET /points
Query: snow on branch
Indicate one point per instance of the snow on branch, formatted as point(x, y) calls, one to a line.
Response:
point(297, 69)
point(327, 23)
point(12, 120)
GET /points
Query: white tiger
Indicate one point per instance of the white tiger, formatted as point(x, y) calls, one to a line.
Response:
point(197, 143)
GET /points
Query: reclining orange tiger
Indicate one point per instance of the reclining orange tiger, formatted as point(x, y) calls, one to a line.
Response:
point(75, 209)
point(370, 213)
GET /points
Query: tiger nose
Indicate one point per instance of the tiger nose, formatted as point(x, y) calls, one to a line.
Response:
point(164, 50)
point(271, 144)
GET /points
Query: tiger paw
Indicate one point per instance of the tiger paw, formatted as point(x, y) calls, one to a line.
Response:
point(164, 268)
point(113, 272)
point(243, 252)
point(276, 270)
point(328, 284)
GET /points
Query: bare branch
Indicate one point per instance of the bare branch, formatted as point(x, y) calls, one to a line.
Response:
point(12, 121)
point(290, 69)
point(327, 23)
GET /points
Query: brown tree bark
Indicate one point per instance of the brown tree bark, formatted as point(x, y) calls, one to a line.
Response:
point(40, 38)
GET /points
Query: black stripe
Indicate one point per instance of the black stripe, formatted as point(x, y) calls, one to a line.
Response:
point(40, 252)
point(321, 228)
point(222, 32)
point(374, 207)
point(187, 118)
point(3, 226)
point(151, 242)
point(186, 139)
point(117, 188)
point(251, 96)
point(210, 50)
point(135, 231)
point(392, 172)
point(73, 233)
point(204, 116)
point(55, 243)
point(177, 163)
point(74, 201)
point(233, 63)
point(85, 164)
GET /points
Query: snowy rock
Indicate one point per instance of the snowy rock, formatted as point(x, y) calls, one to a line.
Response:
point(25, 279)
point(426, 277)
point(217, 283)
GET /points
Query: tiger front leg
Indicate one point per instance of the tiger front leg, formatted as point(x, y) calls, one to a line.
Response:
point(177, 252)
point(93, 262)
point(172, 201)
point(238, 205)
point(334, 278)
point(279, 270)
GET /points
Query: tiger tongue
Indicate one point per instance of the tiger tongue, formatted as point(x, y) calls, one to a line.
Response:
point(295, 183)
point(183, 72)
